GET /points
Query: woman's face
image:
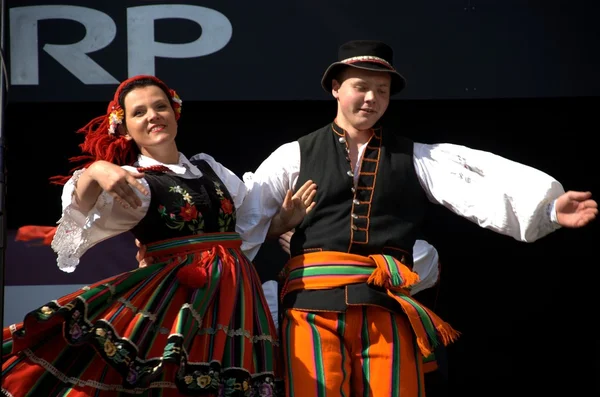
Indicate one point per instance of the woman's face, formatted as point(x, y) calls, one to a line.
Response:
point(149, 118)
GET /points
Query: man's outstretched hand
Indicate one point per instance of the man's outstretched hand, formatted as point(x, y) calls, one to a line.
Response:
point(576, 209)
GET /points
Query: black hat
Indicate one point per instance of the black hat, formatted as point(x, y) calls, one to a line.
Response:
point(365, 54)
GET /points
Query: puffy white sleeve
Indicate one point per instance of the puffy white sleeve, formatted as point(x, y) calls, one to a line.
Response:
point(267, 188)
point(77, 232)
point(247, 205)
point(426, 265)
point(496, 193)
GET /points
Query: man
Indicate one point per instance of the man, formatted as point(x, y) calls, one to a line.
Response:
point(350, 325)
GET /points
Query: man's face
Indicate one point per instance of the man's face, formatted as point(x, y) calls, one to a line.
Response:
point(363, 97)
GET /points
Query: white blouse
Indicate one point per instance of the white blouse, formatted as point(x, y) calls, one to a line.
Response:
point(78, 232)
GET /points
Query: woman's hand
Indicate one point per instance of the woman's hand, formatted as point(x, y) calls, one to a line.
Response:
point(118, 182)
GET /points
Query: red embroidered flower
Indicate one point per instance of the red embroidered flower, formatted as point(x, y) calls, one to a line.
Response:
point(226, 206)
point(188, 212)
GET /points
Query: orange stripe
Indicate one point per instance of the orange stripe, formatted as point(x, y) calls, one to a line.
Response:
point(325, 257)
point(323, 282)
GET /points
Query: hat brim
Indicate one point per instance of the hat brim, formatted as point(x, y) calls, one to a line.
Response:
point(397, 84)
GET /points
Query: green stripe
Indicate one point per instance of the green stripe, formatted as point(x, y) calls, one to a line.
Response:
point(395, 277)
point(396, 356)
point(365, 353)
point(263, 321)
point(241, 304)
point(418, 363)
point(192, 240)
point(330, 270)
point(7, 347)
point(425, 319)
point(317, 356)
point(429, 358)
point(288, 355)
point(160, 311)
point(341, 328)
point(167, 283)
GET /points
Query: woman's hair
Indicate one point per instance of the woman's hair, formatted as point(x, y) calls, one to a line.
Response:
point(141, 83)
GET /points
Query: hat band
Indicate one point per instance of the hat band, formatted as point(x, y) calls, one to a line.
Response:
point(367, 58)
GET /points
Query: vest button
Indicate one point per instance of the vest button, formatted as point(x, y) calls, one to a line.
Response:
point(342, 139)
point(350, 173)
point(356, 202)
point(354, 227)
point(354, 216)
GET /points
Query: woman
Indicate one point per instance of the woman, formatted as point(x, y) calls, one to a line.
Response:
point(195, 322)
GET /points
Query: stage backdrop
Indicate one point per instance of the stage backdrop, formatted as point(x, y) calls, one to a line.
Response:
point(277, 50)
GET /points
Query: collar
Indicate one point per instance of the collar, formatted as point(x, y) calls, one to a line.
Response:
point(375, 130)
point(181, 168)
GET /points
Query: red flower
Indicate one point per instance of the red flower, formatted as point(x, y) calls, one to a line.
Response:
point(226, 206)
point(188, 212)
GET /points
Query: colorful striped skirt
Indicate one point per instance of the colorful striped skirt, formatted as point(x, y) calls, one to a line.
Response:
point(149, 332)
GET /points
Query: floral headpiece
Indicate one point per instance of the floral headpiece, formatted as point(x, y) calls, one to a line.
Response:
point(102, 140)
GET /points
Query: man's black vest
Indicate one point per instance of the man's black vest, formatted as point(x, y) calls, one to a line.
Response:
point(382, 215)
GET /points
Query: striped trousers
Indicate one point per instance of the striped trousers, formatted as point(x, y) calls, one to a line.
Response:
point(366, 351)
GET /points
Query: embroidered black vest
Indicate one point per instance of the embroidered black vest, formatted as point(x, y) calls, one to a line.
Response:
point(181, 207)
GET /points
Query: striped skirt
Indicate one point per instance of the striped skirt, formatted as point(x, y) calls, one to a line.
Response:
point(148, 332)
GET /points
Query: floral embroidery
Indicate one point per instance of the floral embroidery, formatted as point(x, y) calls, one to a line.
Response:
point(188, 215)
point(226, 212)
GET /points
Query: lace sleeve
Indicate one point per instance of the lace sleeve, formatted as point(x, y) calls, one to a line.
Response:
point(78, 232)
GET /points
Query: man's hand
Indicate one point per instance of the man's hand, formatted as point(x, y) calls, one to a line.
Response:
point(285, 240)
point(295, 207)
point(576, 209)
point(140, 256)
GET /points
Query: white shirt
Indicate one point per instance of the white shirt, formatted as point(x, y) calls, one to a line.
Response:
point(496, 193)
